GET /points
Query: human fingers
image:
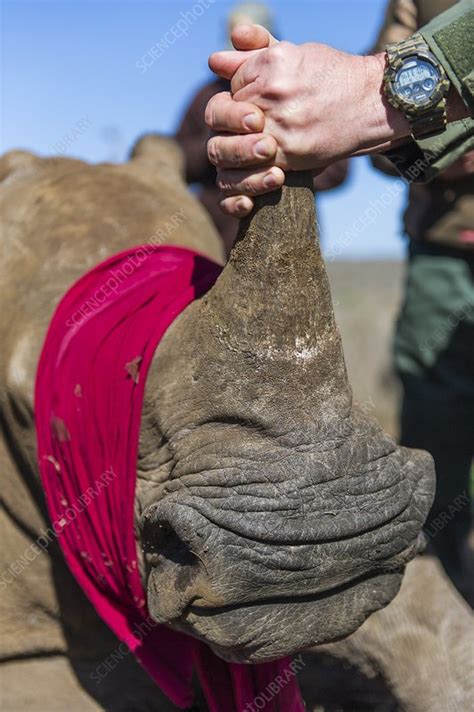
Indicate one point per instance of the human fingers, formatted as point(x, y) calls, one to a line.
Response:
point(227, 62)
point(224, 114)
point(249, 37)
point(240, 151)
point(250, 182)
point(237, 206)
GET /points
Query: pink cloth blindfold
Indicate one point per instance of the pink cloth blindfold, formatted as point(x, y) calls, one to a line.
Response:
point(88, 401)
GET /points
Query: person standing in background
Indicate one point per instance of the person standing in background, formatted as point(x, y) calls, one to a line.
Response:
point(193, 134)
point(434, 338)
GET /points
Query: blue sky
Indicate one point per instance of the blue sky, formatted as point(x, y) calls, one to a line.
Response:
point(71, 81)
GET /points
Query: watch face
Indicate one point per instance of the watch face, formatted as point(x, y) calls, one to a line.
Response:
point(416, 81)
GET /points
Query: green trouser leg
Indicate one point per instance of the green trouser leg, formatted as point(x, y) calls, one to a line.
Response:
point(433, 420)
point(434, 356)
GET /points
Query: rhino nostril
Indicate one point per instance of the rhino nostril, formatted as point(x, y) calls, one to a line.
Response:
point(175, 573)
point(156, 536)
point(161, 542)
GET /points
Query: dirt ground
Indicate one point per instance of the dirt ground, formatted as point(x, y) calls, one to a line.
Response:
point(366, 297)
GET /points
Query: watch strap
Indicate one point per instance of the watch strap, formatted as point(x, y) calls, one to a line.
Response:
point(412, 45)
point(429, 122)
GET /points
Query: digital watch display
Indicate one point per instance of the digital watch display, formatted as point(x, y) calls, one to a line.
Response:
point(416, 81)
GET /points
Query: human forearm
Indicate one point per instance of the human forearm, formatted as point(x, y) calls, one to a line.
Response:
point(383, 125)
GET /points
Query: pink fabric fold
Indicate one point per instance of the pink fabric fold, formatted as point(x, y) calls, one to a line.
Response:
point(88, 400)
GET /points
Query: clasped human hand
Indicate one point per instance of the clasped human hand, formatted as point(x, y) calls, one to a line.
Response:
point(290, 108)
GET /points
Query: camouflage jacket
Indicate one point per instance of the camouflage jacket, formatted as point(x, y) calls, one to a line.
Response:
point(442, 210)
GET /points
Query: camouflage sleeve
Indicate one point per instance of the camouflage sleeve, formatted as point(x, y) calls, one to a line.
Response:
point(449, 37)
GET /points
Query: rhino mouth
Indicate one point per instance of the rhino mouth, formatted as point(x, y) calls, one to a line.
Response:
point(267, 629)
point(199, 607)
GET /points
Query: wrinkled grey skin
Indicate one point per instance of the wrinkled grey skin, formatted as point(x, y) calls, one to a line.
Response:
point(275, 514)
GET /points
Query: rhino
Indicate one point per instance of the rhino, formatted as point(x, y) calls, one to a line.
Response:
point(271, 515)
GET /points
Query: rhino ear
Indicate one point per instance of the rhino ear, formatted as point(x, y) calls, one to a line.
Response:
point(160, 154)
point(16, 161)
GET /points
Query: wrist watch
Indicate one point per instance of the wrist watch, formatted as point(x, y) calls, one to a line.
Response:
point(415, 83)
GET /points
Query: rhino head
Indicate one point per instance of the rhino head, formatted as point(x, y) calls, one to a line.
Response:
point(273, 514)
